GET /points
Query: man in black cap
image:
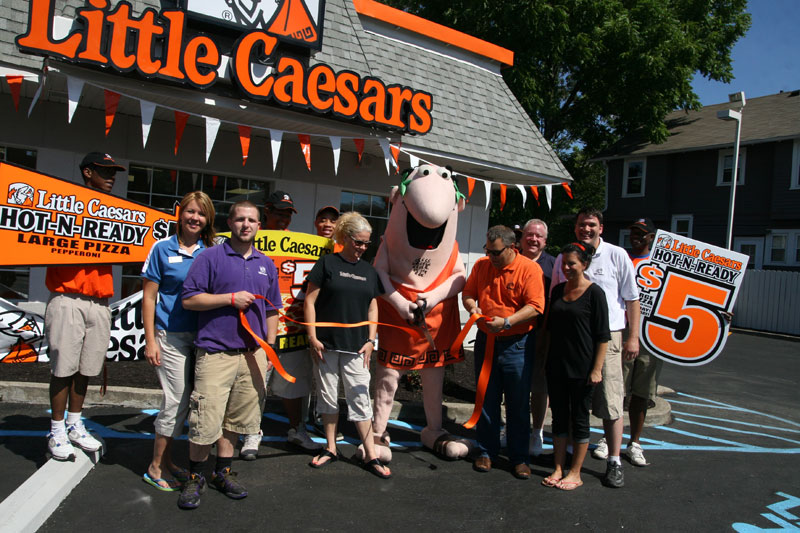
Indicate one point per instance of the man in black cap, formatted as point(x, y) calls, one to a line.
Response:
point(78, 327)
point(278, 210)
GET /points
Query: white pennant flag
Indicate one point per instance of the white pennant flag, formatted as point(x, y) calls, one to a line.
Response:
point(487, 186)
point(524, 194)
point(148, 109)
point(275, 145)
point(548, 193)
point(212, 128)
point(38, 94)
point(336, 144)
point(414, 160)
point(387, 154)
point(74, 90)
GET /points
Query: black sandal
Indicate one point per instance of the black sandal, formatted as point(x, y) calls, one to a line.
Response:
point(373, 467)
point(332, 458)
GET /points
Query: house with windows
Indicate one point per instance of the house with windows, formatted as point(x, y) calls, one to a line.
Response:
point(684, 183)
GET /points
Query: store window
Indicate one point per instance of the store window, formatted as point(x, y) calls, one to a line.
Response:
point(682, 225)
point(14, 280)
point(795, 183)
point(374, 208)
point(625, 238)
point(163, 188)
point(725, 167)
point(633, 179)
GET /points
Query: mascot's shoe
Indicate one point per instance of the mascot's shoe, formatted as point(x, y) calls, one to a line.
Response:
point(482, 464)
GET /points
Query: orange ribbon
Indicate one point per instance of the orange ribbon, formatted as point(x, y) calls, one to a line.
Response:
point(486, 367)
point(273, 357)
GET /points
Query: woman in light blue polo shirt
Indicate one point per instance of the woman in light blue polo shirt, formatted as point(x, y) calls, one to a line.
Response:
point(170, 330)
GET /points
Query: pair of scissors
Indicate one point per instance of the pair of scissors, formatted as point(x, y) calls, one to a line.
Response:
point(419, 321)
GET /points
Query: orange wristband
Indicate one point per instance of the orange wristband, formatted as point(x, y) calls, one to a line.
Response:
point(233, 295)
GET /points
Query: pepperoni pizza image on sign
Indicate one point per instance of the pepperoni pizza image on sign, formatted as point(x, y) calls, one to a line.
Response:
point(686, 290)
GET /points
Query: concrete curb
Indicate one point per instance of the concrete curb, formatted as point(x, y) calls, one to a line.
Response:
point(38, 393)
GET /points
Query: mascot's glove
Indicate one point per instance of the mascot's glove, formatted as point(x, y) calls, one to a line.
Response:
point(427, 301)
point(404, 308)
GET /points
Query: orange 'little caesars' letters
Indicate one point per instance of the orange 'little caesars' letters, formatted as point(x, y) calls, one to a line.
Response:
point(685, 287)
point(50, 221)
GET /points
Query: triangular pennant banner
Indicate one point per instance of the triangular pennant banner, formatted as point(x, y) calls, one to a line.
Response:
point(336, 146)
point(148, 110)
point(305, 146)
point(413, 161)
point(14, 85)
point(112, 102)
point(38, 92)
point(470, 186)
point(74, 90)
point(214, 180)
point(212, 128)
point(275, 144)
point(395, 155)
point(567, 189)
point(180, 125)
point(360, 147)
point(524, 195)
point(387, 155)
point(244, 141)
point(548, 194)
point(173, 176)
point(535, 192)
point(487, 186)
point(502, 196)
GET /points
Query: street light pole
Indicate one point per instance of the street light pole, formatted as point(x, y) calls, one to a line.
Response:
point(730, 114)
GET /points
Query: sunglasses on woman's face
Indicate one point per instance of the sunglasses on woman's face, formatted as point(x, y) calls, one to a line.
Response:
point(361, 243)
point(494, 253)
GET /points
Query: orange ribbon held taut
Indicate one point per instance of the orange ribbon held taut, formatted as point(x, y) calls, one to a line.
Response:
point(486, 368)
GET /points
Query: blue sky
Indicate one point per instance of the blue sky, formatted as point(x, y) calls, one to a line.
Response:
point(766, 60)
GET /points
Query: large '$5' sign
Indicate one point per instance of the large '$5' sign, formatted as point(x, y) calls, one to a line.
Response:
point(686, 289)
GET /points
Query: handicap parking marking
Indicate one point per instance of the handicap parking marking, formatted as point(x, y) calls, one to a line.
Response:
point(779, 516)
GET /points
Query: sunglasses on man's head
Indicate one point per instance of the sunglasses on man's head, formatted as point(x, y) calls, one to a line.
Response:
point(494, 253)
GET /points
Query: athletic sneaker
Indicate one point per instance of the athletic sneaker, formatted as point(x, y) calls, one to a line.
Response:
point(250, 445)
point(636, 454)
point(601, 451)
point(59, 445)
point(614, 477)
point(301, 438)
point(81, 438)
point(537, 445)
point(194, 487)
point(225, 482)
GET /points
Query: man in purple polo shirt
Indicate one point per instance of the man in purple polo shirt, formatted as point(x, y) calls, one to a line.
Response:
point(229, 391)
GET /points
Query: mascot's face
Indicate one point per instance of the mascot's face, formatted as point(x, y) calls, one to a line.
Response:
point(431, 199)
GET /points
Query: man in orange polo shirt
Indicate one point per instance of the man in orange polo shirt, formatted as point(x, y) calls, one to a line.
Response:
point(78, 327)
point(508, 288)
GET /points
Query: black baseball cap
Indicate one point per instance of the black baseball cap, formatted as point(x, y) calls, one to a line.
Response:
point(644, 224)
point(328, 208)
point(281, 200)
point(99, 159)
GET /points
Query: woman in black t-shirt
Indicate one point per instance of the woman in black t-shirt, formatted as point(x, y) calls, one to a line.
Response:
point(342, 288)
point(577, 323)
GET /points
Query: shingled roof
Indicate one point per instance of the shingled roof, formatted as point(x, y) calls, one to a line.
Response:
point(764, 119)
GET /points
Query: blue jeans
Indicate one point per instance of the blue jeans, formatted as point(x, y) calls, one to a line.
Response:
point(511, 374)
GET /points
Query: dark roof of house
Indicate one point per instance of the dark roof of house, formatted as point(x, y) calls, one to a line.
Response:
point(764, 119)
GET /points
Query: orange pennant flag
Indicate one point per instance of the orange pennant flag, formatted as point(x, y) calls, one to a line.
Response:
point(173, 176)
point(470, 187)
point(360, 147)
point(180, 125)
point(502, 196)
point(112, 102)
point(305, 144)
point(244, 140)
point(395, 155)
point(214, 180)
point(535, 192)
point(568, 190)
point(14, 85)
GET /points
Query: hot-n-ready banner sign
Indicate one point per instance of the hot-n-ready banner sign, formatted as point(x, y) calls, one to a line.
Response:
point(50, 221)
point(687, 291)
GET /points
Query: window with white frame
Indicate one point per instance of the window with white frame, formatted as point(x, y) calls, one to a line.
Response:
point(725, 167)
point(783, 247)
point(795, 183)
point(682, 225)
point(14, 281)
point(374, 208)
point(625, 239)
point(633, 177)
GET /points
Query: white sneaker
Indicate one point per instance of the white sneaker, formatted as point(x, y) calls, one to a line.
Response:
point(601, 451)
point(301, 438)
point(636, 454)
point(60, 447)
point(503, 437)
point(536, 444)
point(81, 438)
point(250, 445)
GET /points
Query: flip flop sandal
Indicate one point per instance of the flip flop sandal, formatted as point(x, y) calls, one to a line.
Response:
point(157, 483)
point(373, 468)
point(332, 458)
point(568, 485)
point(440, 447)
point(550, 481)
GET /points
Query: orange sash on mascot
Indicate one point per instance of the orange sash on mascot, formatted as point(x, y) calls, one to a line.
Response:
point(399, 351)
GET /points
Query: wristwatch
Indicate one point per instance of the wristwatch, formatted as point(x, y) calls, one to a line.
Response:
point(506, 323)
point(374, 342)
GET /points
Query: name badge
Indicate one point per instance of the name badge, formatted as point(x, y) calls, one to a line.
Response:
point(175, 259)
